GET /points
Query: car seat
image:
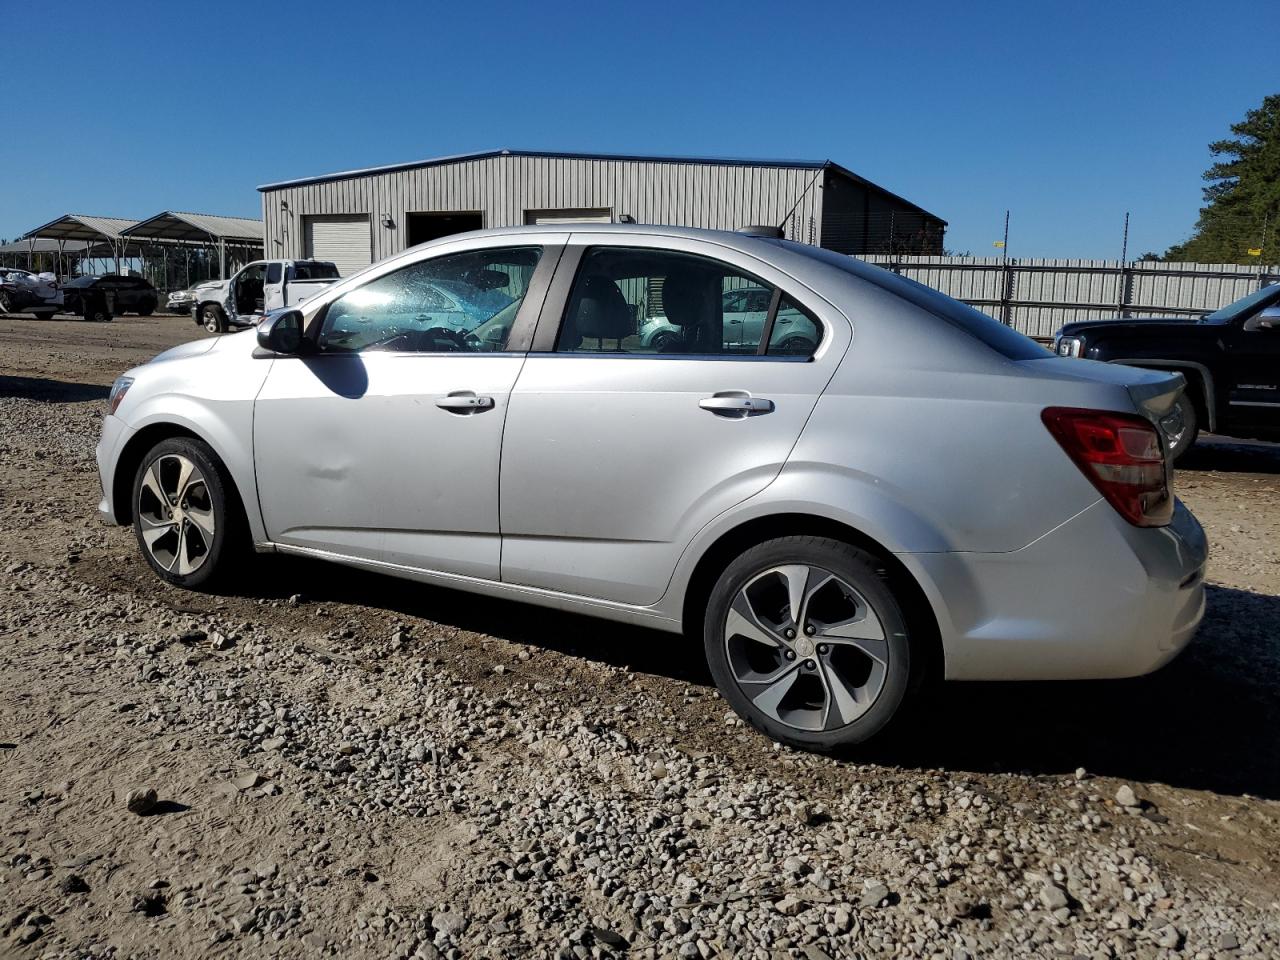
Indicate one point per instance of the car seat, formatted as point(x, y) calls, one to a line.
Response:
point(597, 310)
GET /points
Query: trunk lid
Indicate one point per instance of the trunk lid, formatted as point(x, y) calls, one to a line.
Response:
point(1153, 392)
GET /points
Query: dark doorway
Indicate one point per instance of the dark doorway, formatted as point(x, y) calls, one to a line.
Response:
point(422, 227)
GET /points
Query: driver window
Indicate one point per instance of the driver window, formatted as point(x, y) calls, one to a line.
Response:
point(465, 302)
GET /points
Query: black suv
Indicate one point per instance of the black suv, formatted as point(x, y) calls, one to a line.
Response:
point(100, 298)
point(1230, 358)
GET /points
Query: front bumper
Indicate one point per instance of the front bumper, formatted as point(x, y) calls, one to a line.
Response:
point(1095, 598)
point(115, 435)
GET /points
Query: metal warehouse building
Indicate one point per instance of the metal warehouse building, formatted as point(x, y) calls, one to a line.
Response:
point(360, 216)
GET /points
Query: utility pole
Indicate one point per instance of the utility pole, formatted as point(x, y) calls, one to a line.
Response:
point(1006, 291)
point(1125, 275)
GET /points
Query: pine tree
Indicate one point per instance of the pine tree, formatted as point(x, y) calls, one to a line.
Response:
point(1243, 197)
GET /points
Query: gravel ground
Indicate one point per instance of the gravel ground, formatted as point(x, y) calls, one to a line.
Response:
point(332, 763)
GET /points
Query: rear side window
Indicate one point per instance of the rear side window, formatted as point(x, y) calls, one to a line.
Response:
point(668, 304)
point(274, 272)
point(315, 271)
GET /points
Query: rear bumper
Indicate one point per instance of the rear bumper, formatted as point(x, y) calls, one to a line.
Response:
point(1095, 598)
point(115, 434)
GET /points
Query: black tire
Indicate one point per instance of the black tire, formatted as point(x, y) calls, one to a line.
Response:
point(797, 347)
point(665, 342)
point(95, 310)
point(1189, 419)
point(858, 569)
point(46, 315)
point(214, 494)
point(5, 305)
point(213, 319)
point(147, 309)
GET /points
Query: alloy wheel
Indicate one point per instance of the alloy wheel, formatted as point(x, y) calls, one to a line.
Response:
point(806, 648)
point(175, 512)
point(1174, 425)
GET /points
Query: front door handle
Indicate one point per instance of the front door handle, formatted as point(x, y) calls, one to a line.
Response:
point(464, 401)
point(735, 403)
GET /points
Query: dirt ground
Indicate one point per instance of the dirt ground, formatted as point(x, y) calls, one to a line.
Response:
point(353, 765)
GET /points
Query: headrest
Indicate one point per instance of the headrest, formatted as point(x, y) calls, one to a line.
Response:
point(686, 300)
point(602, 311)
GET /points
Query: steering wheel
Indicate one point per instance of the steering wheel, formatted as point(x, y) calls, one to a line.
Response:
point(457, 338)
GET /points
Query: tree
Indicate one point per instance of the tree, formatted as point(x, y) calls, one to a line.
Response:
point(1243, 197)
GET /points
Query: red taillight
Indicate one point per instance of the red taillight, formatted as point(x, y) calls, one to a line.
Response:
point(1121, 455)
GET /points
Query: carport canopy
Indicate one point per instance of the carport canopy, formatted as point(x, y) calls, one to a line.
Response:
point(174, 226)
point(97, 233)
point(196, 227)
point(76, 226)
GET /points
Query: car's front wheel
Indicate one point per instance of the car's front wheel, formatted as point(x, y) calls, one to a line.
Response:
point(1181, 426)
point(808, 643)
point(213, 319)
point(187, 524)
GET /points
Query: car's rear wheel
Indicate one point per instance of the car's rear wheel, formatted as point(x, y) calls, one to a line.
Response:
point(147, 310)
point(186, 521)
point(1181, 427)
point(665, 342)
point(95, 310)
point(808, 643)
point(796, 346)
point(214, 320)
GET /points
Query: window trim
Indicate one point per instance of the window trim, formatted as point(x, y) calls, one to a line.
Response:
point(556, 307)
point(767, 333)
point(519, 339)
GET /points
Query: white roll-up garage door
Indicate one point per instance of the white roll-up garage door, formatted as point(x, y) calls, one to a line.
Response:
point(345, 240)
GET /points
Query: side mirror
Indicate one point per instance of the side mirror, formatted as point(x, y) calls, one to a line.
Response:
point(281, 333)
point(1268, 323)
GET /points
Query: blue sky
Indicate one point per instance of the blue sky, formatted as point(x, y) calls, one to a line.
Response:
point(1068, 114)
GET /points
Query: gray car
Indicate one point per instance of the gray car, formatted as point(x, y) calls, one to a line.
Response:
point(918, 491)
point(745, 311)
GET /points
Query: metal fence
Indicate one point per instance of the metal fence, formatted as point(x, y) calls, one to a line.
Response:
point(1038, 296)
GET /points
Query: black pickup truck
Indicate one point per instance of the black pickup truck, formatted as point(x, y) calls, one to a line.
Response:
point(1230, 358)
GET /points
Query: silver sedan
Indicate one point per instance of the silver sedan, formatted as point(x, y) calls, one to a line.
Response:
point(910, 490)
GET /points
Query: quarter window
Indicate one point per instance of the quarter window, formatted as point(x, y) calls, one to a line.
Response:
point(465, 302)
point(663, 303)
point(796, 332)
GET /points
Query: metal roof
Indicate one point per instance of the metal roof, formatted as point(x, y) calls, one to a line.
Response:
point(176, 225)
point(487, 154)
point(76, 226)
point(565, 155)
point(43, 246)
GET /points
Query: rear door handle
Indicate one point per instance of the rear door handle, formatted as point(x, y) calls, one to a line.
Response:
point(735, 404)
point(464, 401)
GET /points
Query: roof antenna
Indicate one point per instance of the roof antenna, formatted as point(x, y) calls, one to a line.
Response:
point(803, 193)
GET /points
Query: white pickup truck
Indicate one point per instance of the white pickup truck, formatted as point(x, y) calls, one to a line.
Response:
point(263, 285)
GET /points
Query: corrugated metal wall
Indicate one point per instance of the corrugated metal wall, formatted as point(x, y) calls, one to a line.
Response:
point(714, 196)
point(1038, 296)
